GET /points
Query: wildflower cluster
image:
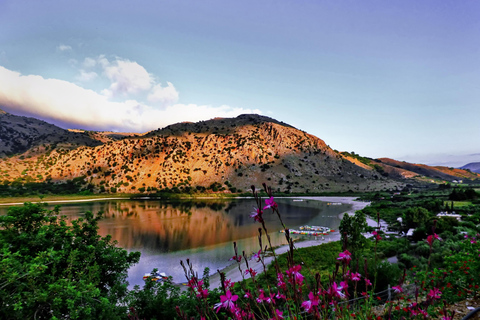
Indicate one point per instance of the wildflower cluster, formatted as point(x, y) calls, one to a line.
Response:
point(348, 293)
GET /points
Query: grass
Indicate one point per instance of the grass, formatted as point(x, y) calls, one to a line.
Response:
point(71, 197)
point(48, 198)
point(458, 204)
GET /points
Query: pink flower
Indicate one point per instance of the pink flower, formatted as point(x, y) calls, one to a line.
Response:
point(252, 272)
point(257, 256)
point(376, 235)
point(279, 315)
point(247, 295)
point(430, 239)
point(344, 285)
point(310, 304)
point(423, 312)
point(367, 282)
point(202, 293)
point(345, 255)
point(434, 294)
point(265, 298)
point(236, 258)
point(336, 291)
point(227, 301)
point(281, 282)
point(356, 276)
point(270, 203)
point(397, 289)
point(294, 274)
point(261, 296)
point(280, 296)
point(228, 284)
point(257, 215)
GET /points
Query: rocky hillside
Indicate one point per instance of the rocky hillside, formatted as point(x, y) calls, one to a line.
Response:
point(219, 155)
point(401, 169)
point(215, 155)
point(20, 134)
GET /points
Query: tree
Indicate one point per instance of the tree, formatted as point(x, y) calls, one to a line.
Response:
point(351, 229)
point(52, 269)
point(416, 217)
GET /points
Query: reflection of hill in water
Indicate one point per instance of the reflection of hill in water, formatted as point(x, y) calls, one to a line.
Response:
point(177, 226)
point(165, 226)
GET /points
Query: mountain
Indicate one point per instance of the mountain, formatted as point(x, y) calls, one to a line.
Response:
point(410, 170)
point(20, 134)
point(219, 155)
point(473, 166)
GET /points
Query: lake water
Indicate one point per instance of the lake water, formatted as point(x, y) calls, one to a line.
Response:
point(166, 232)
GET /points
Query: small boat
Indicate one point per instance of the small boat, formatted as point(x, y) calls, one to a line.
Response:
point(310, 231)
point(158, 276)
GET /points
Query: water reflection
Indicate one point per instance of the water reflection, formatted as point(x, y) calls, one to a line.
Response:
point(166, 232)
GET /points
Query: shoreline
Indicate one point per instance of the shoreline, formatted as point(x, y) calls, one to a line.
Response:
point(231, 271)
point(62, 201)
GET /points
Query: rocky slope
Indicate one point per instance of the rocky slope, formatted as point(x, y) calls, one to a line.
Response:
point(410, 170)
point(20, 134)
point(216, 155)
point(219, 155)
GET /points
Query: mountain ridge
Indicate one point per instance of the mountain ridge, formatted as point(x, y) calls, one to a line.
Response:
point(472, 166)
point(19, 134)
point(217, 155)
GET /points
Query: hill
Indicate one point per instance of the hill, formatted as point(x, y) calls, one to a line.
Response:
point(217, 155)
point(473, 166)
point(411, 170)
point(20, 134)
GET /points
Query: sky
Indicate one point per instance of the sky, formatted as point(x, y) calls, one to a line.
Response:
point(397, 79)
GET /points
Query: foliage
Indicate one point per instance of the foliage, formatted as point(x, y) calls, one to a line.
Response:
point(51, 269)
point(158, 299)
point(351, 231)
point(415, 217)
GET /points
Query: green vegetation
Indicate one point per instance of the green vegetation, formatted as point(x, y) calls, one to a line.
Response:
point(50, 268)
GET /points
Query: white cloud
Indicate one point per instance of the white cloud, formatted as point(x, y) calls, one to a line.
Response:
point(59, 100)
point(64, 47)
point(164, 95)
point(127, 77)
point(89, 63)
point(87, 76)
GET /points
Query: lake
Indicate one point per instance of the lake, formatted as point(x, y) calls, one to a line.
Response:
point(166, 231)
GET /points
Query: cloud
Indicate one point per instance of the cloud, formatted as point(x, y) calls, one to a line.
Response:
point(87, 76)
point(89, 63)
point(57, 100)
point(63, 48)
point(164, 95)
point(127, 77)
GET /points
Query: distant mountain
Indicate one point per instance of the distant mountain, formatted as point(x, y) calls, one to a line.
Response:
point(473, 166)
point(218, 155)
point(20, 134)
point(411, 170)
